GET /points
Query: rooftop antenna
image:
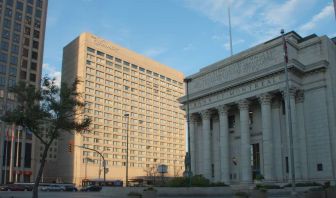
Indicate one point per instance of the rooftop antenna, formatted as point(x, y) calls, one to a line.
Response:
point(229, 13)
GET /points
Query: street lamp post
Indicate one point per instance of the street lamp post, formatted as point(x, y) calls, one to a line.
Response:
point(187, 80)
point(126, 115)
point(288, 114)
point(101, 155)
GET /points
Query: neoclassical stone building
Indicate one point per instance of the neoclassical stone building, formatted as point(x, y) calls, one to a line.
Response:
point(238, 126)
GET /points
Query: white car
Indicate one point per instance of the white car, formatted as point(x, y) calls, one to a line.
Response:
point(53, 188)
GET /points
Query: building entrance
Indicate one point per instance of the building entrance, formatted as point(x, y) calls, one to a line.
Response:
point(255, 160)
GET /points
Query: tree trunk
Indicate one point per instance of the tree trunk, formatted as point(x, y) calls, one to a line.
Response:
point(40, 172)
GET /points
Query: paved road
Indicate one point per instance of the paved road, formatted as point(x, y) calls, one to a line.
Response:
point(52, 194)
point(92, 195)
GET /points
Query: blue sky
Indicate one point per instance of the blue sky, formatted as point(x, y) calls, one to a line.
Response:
point(184, 34)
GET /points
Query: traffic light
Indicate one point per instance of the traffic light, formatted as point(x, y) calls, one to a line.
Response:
point(70, 147)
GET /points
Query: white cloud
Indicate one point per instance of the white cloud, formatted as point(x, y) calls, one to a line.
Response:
point(52, 72)
point(326, 12)
point(152, 52)
point(260, 19)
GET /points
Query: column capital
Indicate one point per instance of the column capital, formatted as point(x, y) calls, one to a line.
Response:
point(193, 118)
point(205, 114)
point(292, 92)
point(300, 96)
point(243, 104)
point(222, 109)
point(265, 98)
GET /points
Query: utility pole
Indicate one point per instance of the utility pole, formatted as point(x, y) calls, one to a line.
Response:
point(101, 155)
point(127, 123)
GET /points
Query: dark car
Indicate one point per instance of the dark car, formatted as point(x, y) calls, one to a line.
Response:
point(91, 189)
point(12, 187)
point(71, 188)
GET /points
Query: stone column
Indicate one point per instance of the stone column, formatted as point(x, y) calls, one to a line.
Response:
point(265, 101)
point(278, 145)
point(224, 145)
point(192, 143)
point(206, 143)
point(302, 134)
point(292, 93)
point(245, 153)
point(199, 148)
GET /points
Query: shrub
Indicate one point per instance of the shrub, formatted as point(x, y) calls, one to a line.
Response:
point(196, 181)
point(267, 186)
point(259, 177)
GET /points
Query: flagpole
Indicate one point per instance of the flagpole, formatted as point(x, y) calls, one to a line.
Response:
point(289, 116)
point(230, 34)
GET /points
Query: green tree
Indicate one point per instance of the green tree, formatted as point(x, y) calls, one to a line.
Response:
point(52, 105)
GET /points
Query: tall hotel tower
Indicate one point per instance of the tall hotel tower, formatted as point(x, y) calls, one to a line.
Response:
point(118, 82)
point(22, 26)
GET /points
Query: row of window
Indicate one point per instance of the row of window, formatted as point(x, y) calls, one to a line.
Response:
point(141, 69)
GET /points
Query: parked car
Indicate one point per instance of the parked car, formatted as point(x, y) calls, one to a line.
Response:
point(91, 189)
point(71, 188)
point(12, 187)
point(53, 188)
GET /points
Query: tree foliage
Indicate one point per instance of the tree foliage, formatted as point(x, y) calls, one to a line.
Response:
point(60, 108)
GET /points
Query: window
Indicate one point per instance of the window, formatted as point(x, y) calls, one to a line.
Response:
point(38, 13)
point(12, 71)
point(39, 3)
point(118, 60)
point(89, 49)
point(33, 66)
point(3, 57)
point(109, 57)
point(7, 23)
point(15, 49)
point(37, 23)
point(5, 34)
point(13, 60)
point(35, 44)
point(319, 167)
point(32, 77)
point(8, 12)
point(19, 5)
point(26, 42)
point(100, 53)
point(16, 38)
point(18, 16)
point(24, 63)
point(27, 31)
point(4, 45)
point(25, 52)
point(29, 9)
point(17, 27)
point(36, 34)
point(23, 75)
point(34, 55)
point(28, 20)
point(141, 69)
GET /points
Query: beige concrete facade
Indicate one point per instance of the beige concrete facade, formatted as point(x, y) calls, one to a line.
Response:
point(117, 81)
point(21, 54)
